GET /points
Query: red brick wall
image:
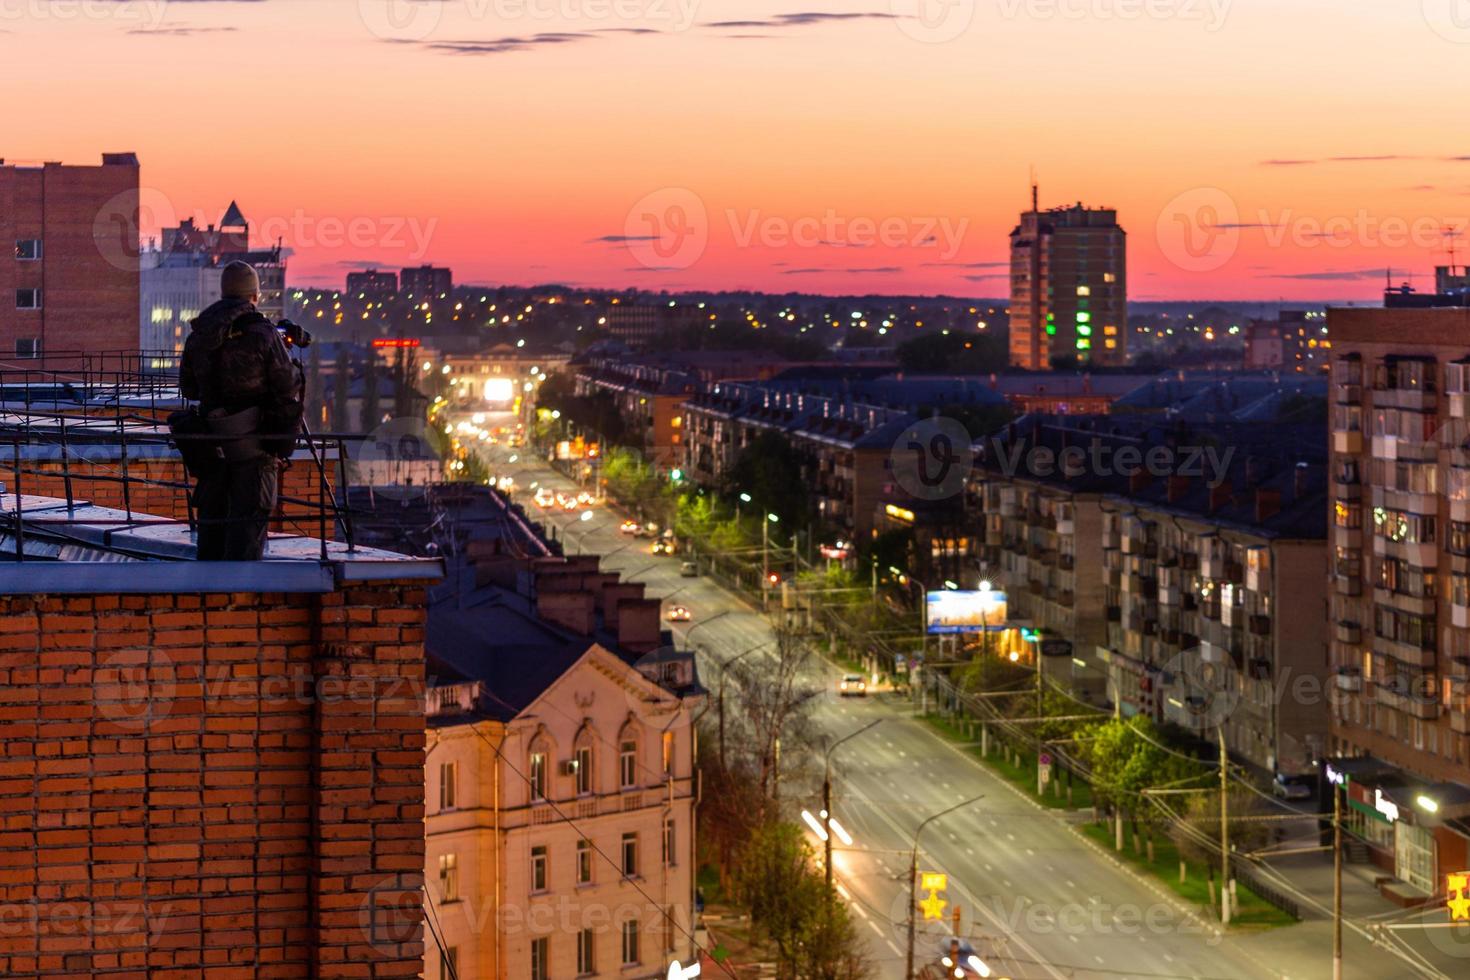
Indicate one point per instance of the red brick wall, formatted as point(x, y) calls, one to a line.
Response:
point(175, 802)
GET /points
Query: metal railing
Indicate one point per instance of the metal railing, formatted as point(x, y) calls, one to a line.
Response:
point(54, 447)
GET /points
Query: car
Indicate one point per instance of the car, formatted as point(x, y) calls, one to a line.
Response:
point(663, 546)
point(584, 497)
point(629, 527)
point(544, 498)
point(679, 614)
point(689, 570)
point(1287, 787)
point(853, 686)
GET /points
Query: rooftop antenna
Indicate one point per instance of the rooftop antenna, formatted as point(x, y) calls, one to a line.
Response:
point(1452, 236)
point(1035, 192)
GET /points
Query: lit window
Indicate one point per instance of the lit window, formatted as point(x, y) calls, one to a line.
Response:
point(28, 250)
point(1084, 290)
point(584, 770)
point(668, 753)
point(449, 877)
point(538, 775)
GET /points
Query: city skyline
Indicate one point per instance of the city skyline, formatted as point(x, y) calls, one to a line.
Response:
point(873, 148)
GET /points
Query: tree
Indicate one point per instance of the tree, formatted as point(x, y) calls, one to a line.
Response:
point(776, 705)
point(789, 902)
point(954, 353)
point(770, 469)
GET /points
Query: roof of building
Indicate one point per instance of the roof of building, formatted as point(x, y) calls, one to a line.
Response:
point(48, 546)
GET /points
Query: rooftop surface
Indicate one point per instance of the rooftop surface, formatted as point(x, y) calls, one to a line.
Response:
point(46, 546)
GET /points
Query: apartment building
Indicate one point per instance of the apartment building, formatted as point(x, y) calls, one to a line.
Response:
point(1216, 602)
point(560, 778)
point(1152, 569)
point(70, 284)
point(1069, 299)
point(1400, 585)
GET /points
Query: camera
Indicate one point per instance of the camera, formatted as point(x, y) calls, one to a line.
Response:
point(294, 334)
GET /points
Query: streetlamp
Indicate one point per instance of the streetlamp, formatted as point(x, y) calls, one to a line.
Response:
point(914, 875)
point(744, 498)
point(766, 548)
point(827, 798)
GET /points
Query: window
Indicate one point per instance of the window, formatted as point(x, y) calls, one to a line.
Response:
point(538, 869)
point(449, 963)
point(448, 777)
point(628, 764)
point(630, 942)
point(449, 877)
point(27, 299)
point(584, 770)
point(584, 862)
point(669, 842)
point(630, 855)
point(28, 250)
point(28, 347)
point(540, 958)
point(538, 775)
point(586, 953)
point(668, 753)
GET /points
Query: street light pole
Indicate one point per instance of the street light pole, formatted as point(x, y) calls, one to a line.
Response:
point(1224, 831)
point(1336, 881)
point(827, 798)
point(914, 877)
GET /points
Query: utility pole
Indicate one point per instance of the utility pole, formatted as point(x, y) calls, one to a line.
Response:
point(1036, 652)
point(1224, 831)
point(827, 799)
point(914, 878)
point(1336, 881)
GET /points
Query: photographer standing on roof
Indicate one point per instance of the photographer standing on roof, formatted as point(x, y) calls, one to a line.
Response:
point(236, 366)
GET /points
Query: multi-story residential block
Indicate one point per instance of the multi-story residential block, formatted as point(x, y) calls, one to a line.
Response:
point(1295, 341)
point(1401, 584)
point(373, 284)
point(426, 282)
point(1069, 299)
point(1215, 604)
point(1154, 569)
point(69, 284)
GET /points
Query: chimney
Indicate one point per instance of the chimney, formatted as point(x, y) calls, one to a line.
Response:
point(1300, 477)
point(1138, 479)
point(1268, 504)
point(1220, 495)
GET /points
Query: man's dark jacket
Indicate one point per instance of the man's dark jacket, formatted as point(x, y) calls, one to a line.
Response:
point(235, 359)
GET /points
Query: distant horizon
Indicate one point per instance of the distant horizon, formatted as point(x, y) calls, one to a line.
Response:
point(719, 145)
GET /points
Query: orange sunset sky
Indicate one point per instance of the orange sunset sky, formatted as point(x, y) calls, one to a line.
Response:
point(1253, 149)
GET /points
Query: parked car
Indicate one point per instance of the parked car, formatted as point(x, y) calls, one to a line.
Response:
point(689, 570)
point(1287, 787)
point(853, 686)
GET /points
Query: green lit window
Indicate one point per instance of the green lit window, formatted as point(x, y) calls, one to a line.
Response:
point(1084, 343)
point(1083, 330)
point(1084, 317)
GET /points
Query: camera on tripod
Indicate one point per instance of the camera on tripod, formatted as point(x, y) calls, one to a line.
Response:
point(294, 334)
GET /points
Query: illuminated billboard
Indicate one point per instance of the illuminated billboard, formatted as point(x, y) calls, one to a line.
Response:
point(500, 391)
point(964, 612)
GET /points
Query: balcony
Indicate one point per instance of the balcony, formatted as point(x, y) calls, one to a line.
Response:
point(1349, 394)
point(1409, 399)
point(1397, 693)
point(1259, 625)
point(1350, 679)
point(1405, 653)
point(1460, 721)
point(1348, 585)
point(1348, 632)
point(1347, 442)
point(1418, 605)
